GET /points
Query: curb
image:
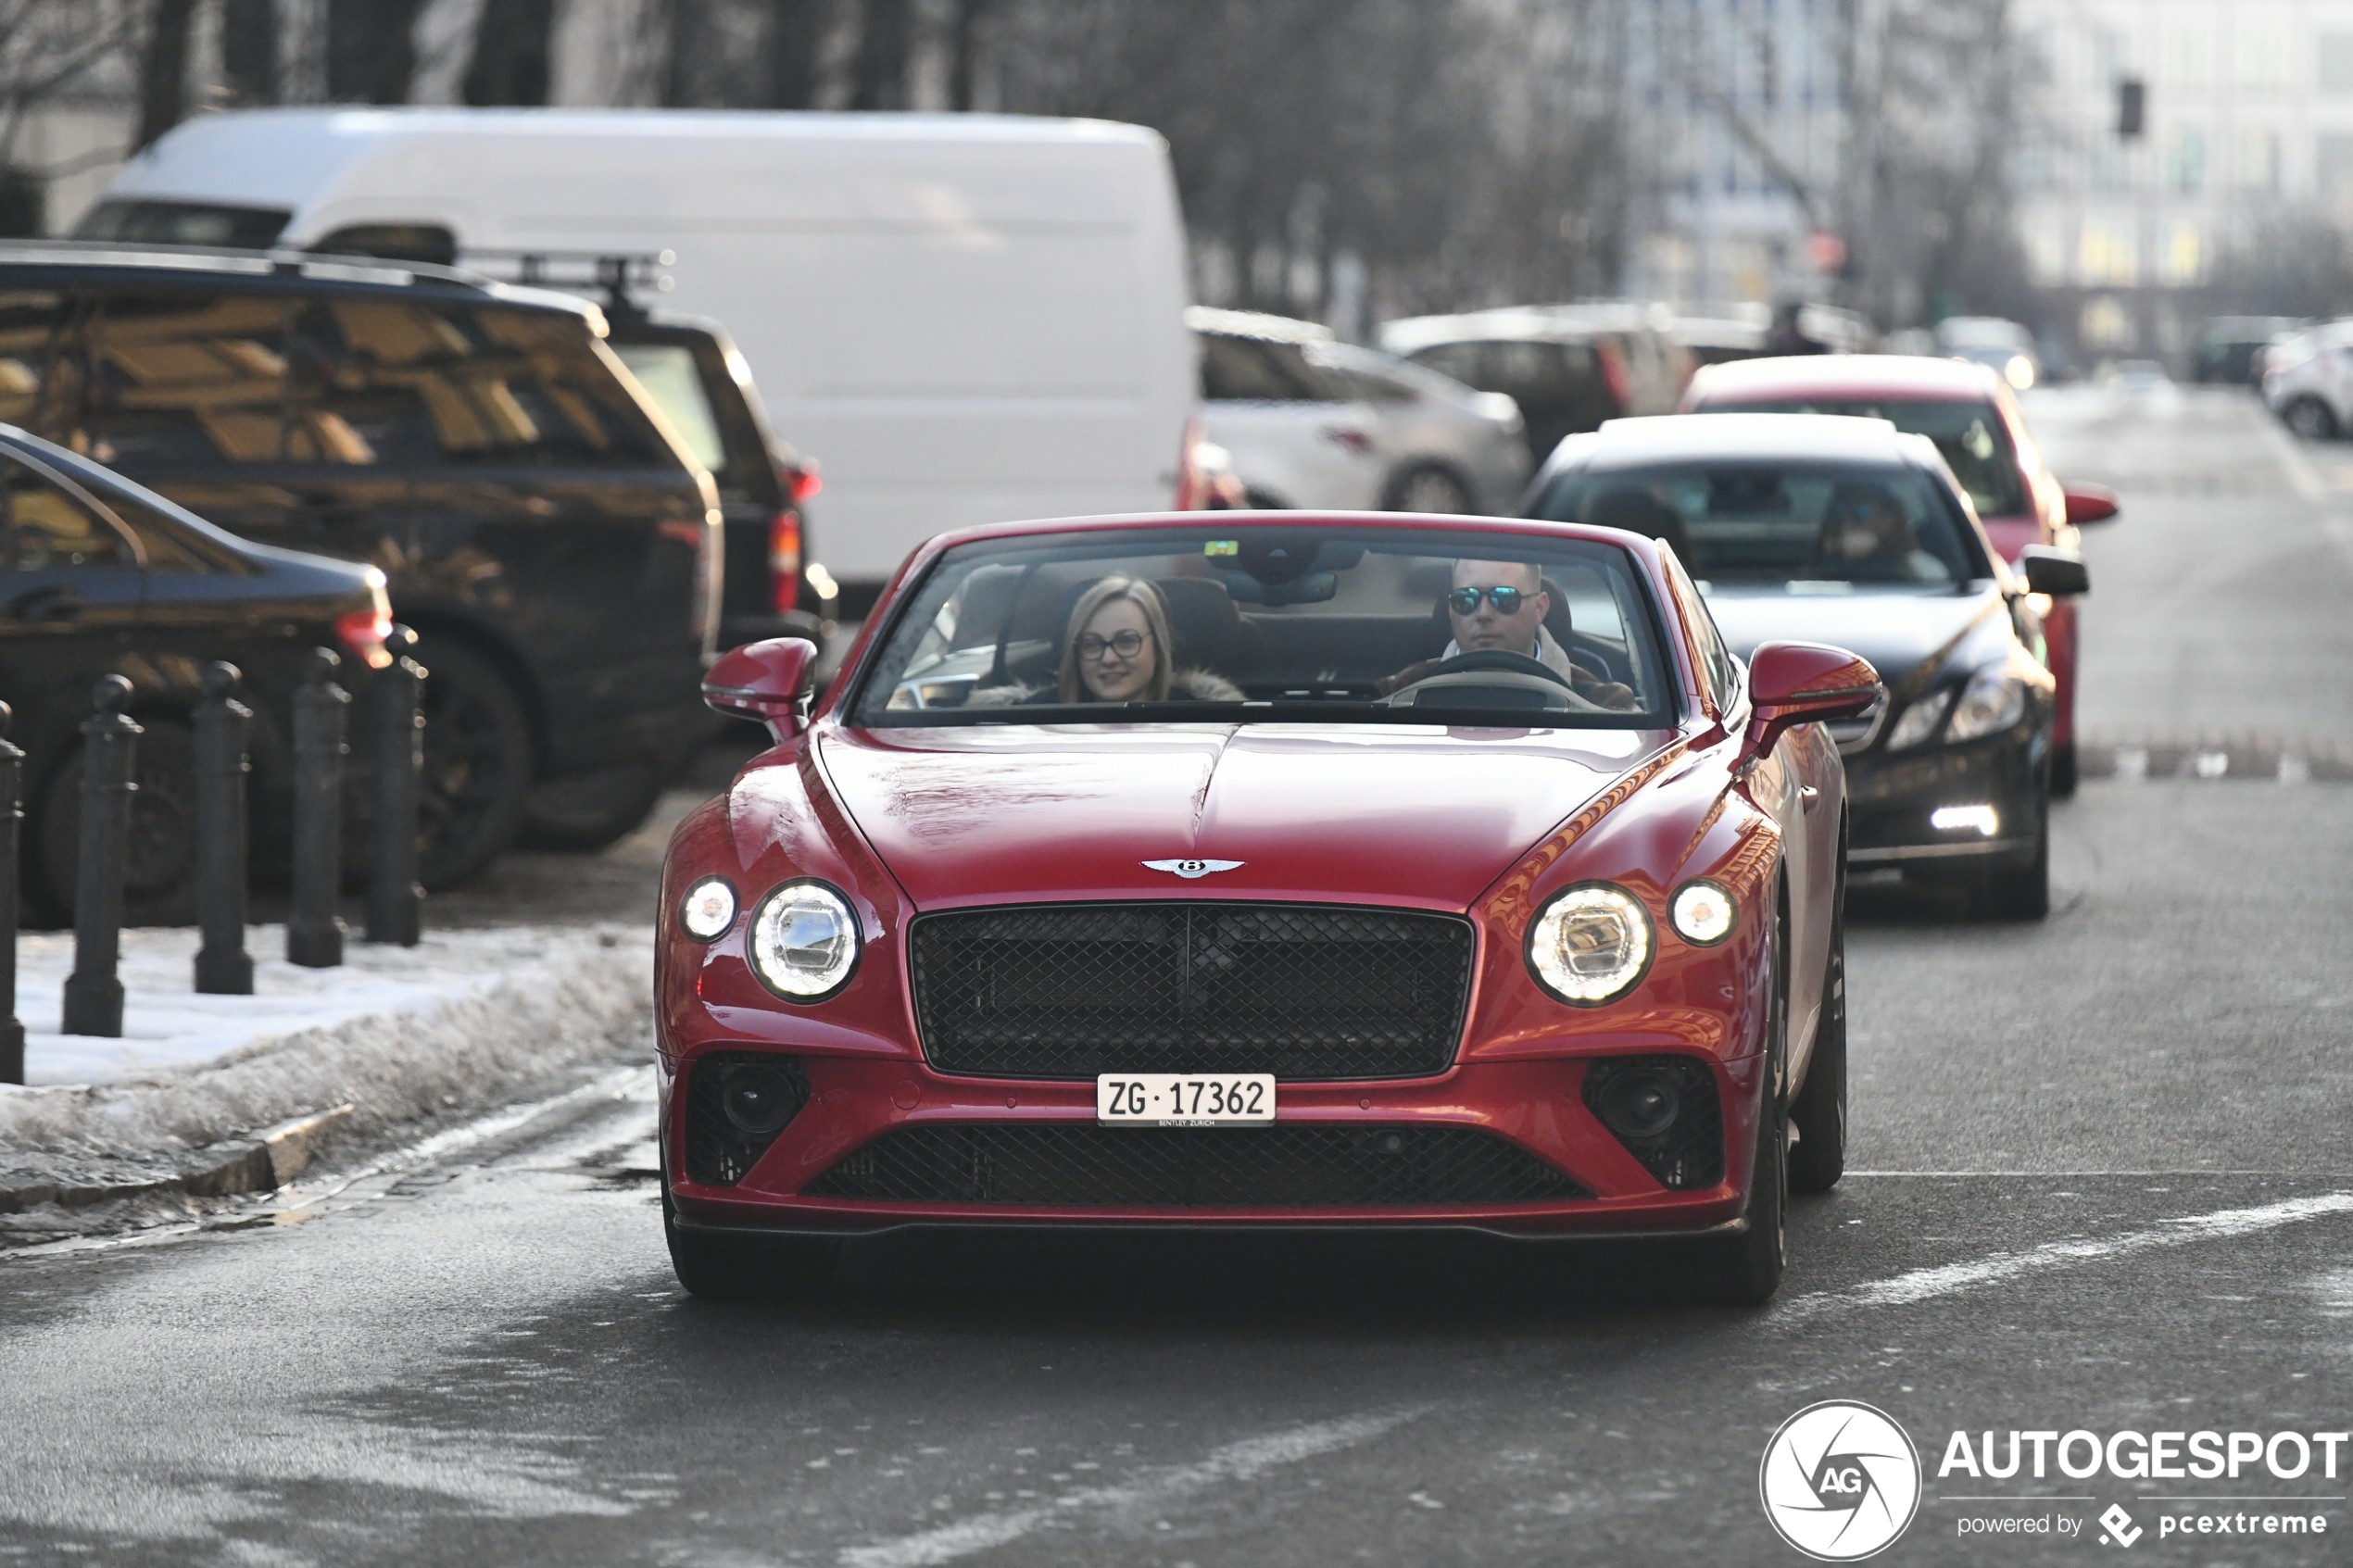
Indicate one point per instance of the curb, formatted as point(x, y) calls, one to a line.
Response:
point(265, 1162)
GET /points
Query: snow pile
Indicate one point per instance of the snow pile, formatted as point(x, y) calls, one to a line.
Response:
point(396, 1033)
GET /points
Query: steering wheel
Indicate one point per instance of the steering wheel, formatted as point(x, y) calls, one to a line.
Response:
point(1496, 666)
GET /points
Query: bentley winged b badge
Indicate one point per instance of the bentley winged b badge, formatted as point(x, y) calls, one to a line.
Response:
point(1189, 869)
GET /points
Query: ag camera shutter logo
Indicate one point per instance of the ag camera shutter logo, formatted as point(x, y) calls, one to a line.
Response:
point(1841, 1481)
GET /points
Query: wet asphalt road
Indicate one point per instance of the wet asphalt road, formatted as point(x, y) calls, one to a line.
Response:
point(2103, 1184)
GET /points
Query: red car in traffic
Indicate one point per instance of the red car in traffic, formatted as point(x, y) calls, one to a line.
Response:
point(1973, 417)
point(1264, 869)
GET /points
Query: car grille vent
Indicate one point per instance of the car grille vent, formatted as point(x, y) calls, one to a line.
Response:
point(1301, 991)
point(727, 1133)
point(1690, 1152)
point(1290, 1165)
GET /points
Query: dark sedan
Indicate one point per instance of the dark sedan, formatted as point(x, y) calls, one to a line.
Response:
point(1842, 531)
point(100, 576)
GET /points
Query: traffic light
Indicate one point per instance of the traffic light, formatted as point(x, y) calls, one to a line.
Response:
point(2132, 106)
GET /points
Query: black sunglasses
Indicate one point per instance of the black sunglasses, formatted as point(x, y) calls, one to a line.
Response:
point(1465, 601)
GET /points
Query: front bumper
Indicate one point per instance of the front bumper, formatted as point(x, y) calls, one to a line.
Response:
point(1891, 799)
point(1534, 1106)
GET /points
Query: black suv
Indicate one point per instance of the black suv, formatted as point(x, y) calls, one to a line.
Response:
point(538, 525)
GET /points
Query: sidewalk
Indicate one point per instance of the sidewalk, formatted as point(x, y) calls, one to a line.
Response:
point(209, 1096)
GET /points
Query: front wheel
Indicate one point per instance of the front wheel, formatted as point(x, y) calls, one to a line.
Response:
point(2020, 891)
point(1745, 1269)
point(1820, 1111)
point(2063, 774)
point(2311, 419)
point(1429, 489)
point(478, 763)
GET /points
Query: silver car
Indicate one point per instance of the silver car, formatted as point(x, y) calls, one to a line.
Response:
point(1314, 422)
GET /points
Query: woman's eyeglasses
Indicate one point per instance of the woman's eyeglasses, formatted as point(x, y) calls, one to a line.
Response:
point(1506, 601)
point(1127, 645)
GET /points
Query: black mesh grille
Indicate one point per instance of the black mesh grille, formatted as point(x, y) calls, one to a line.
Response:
point(720, 1148)
point(1300, 991)
point(1290, 1165)
point(1690, 1152)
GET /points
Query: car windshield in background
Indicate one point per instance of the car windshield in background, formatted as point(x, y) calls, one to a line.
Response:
point(1803, 527)
point(1969, 433)
point(1294, 625)
point(183, 223)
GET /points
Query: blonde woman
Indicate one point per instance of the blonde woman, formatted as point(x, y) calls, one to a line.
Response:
point(1119, 650)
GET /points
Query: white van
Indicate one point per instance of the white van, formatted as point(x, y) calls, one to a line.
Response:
point(966, 317)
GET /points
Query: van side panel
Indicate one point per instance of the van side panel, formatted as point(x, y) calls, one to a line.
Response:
point(964, 319)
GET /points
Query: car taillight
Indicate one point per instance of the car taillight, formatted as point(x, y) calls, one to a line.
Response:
point(801, 480)
point(364, 631)
point(1192, 489)
point(784, 560)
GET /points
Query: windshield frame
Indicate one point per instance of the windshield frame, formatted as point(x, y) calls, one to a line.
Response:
point(1679, 702)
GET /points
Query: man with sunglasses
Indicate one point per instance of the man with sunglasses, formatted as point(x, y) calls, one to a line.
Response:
point(1500, 606)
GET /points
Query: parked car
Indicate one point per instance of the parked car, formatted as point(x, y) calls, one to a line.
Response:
point(1568, 367)
point(2004, 347)
point(2307, 381)
point(969, 317)
point(1973, 416)
point(1312, 422)
point(536, 519)
point(1846, 531)
point(99, 576)
point(1428, 933)
point(2231, 349)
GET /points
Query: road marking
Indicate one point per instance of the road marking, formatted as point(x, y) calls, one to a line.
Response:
point(1951, 1279)
point(1132, 1503)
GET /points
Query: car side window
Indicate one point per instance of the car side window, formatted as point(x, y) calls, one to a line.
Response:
point(178, 380)
point(42, 529)
point(1241, 370)
point(1716, 660)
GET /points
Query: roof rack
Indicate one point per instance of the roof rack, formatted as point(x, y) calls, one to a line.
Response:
point(578, 272)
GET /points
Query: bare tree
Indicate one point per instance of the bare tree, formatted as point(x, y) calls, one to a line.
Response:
point(796, 33)
point(163, 68)
point(885, 45)
point(249, 49)
point(371, 51)
point(512, 43)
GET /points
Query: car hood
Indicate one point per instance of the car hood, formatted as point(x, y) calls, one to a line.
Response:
point(1423, 817)
point(1901, 633)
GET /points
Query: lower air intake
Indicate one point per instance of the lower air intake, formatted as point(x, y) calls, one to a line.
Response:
point(736, 1103)
point(1285, 1166)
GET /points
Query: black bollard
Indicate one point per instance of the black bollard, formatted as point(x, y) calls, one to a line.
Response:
point(223, 967)
point(394, 896)
point(109, 736)
point(314, 934)
point(11, 812)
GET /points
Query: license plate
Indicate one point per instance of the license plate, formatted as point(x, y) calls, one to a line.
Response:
point(1184, 1099)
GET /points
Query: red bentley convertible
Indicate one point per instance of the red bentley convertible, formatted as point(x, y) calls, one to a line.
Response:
point(1264, 870)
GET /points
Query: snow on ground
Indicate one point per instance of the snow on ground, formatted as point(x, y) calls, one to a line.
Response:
point(395, 1032)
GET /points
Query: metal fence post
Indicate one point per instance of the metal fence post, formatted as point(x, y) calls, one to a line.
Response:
point(223, 967)
point(314, 934)
point(109, 738)
point(11, 811)
point(394, 896)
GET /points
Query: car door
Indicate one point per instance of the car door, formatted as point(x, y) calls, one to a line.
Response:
point(1295, 438)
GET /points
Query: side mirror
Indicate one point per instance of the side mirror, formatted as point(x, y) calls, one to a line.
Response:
point(764, 681)
point(1791, 684)
point(2090, 503)
point(2060, 573)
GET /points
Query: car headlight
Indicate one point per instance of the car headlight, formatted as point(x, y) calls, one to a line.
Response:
point(1993, 701)
point(1920, 722)
point(1590, 943)
point(708, 909)
point(1703, 912)
point(804, 941)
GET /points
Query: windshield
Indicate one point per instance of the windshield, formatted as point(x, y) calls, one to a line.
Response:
point(1969, 433)
point(1802, 527)
point(183, 223)
point(1290, 623)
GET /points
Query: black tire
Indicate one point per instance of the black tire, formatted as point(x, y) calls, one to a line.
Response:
point(159, 862)
point(2311, 418)
point(2020, 891)
point(478, 763)
point(719, 1268)
point(590, 810)
point(1745, 1269)
point(2063, 774)
point(1820, 1111)
point(1428, 488)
